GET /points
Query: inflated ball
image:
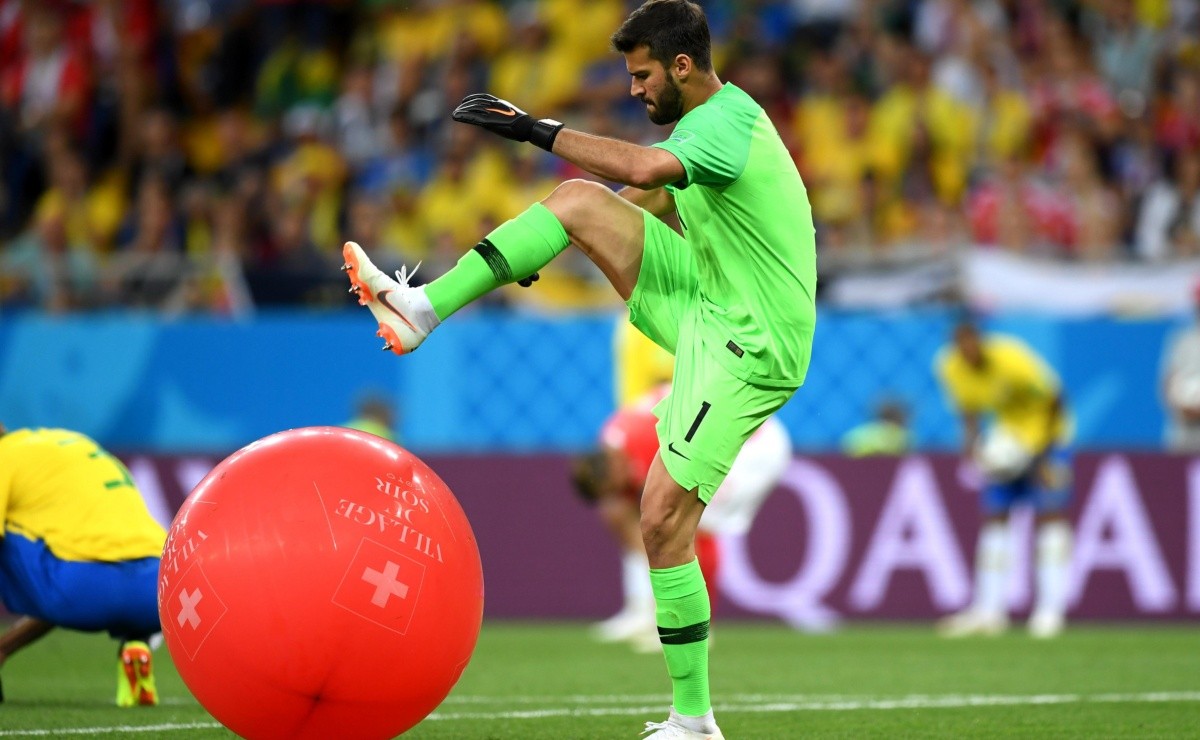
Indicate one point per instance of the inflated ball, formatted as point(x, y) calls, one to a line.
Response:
point(320, 583)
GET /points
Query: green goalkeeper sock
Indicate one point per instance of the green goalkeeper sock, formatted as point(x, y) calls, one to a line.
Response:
point(513, 251)
point(682, 612)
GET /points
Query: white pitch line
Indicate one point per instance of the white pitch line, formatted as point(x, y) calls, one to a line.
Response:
point(59, 732)
point(844, 704)
point(743, 704)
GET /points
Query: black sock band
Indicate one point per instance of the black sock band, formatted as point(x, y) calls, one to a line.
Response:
point(496, 262)
point(683, 635)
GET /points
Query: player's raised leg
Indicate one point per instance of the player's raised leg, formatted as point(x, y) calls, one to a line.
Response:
point(403, 312)
point(606, 227)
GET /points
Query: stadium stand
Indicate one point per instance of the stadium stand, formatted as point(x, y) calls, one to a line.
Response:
point(198, 155)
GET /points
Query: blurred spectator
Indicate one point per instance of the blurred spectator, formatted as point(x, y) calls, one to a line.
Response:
point(404, 229)
point(43, 89)
point(297, 73)
point(1067, 130)
point(364, 220)
point(885, 434)
point(42, 268)
point(1067, 91)
point(1168, 219)
point(398, 159)
point(292, 270)
point(93, 207)
point(150, 265)
point(1005, 116)
point(358, 132)
point(221, 283)
point(158, 153)
point(48, 81)
point(922, 141)
point(1014, 209)
point(1181, 385)
point(529, 169)
point(400, 241)
point(533, 69)
point(830, 131)
point(1095, 208)
point(313, 173)
point(1177, 120)
point(116, 36)
point(466, 190)
point(1134, 163)
point(240, 163)
point(1125, 51)
point(374, 413)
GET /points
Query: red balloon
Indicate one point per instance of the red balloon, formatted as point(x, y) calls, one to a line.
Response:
point(321, 582)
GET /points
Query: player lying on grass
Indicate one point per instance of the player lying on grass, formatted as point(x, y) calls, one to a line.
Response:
point(78, 550)
point(732, 297)
point(612, 477)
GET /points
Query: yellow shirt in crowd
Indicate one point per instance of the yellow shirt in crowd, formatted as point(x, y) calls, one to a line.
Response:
point(60, 487)
point(1015, 385)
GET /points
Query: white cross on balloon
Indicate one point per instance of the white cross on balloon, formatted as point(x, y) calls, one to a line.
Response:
point(385, 583)
point(188, 611)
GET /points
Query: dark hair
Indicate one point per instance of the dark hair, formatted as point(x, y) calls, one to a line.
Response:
point(667, 28)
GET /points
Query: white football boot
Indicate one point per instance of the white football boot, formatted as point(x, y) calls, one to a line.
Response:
point(973, 622)
point(647, 641)
point(633, 619)
point(404, 314)
point(1046, 624)
point(675, 729)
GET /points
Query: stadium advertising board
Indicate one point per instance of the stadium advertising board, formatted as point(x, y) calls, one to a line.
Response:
point(840, 539)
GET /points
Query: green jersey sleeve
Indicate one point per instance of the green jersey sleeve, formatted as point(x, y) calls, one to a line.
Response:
point(712, 142)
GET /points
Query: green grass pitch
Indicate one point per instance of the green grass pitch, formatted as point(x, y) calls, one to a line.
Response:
point(533, 680)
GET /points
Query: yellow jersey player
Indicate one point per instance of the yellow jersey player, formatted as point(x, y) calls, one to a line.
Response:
point(1023, 457)
point(78, 550)
point(639, 365)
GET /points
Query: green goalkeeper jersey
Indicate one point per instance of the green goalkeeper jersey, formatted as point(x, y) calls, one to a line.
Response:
point(745, 213)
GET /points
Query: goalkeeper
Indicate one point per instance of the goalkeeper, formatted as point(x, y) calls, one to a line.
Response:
point(732, 297)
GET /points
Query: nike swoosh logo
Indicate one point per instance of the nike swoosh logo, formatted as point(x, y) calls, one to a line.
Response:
point(502, 112)
point(671, 447)
point(387, 304)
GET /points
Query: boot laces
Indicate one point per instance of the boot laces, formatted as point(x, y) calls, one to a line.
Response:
point(404, 275)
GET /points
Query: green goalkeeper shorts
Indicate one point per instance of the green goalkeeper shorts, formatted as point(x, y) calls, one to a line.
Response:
point(709, 413)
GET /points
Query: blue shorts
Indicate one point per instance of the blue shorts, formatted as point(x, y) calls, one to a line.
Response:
point(120, 598)
point(1031, 489)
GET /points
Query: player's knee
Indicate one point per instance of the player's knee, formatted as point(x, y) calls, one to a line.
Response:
point(572, 199)
point(662, 537)
point(577, 191)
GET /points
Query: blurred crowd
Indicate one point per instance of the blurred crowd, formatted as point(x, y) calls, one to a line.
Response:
point(213, 155)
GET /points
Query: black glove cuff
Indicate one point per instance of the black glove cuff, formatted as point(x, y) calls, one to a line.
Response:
point(544, 132)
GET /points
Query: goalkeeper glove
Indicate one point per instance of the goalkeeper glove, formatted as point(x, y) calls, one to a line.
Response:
point(503, 118)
